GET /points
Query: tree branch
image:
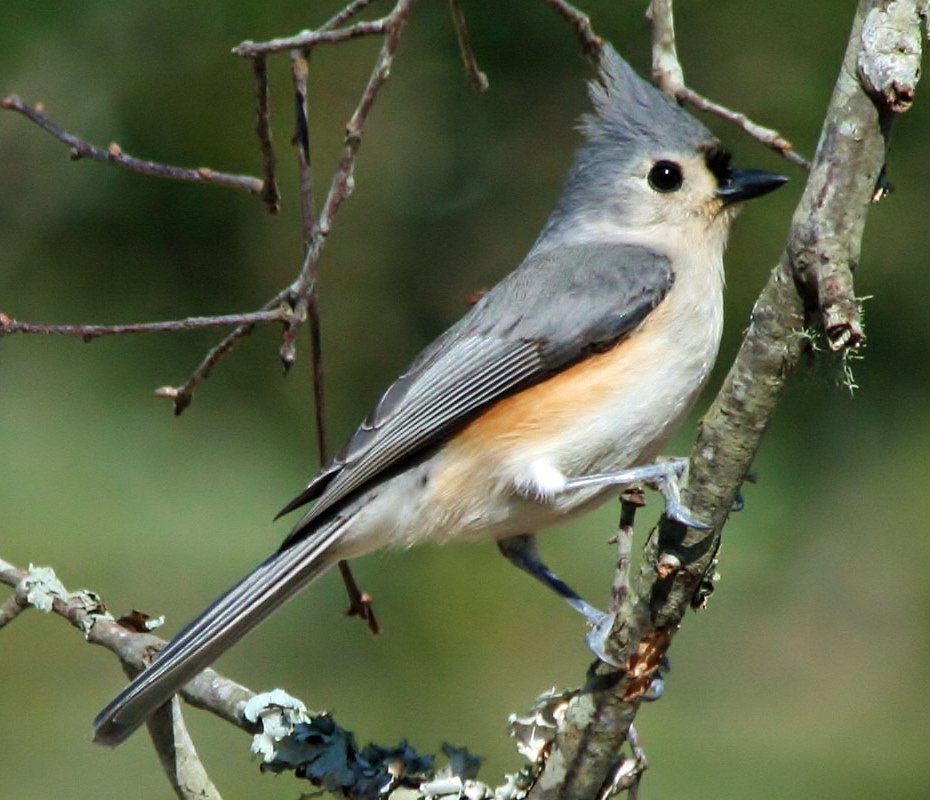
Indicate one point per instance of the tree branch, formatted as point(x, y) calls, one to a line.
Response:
point(342, 16)
point(848, 160)
point(360, 603)
point(394, 772)
point(178, 756)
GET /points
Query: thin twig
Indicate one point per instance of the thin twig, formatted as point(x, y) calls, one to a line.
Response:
point(360, 603)
point(182, 396)
point(316, 362)
point(342, 181)
point(308, 39)
point(341, 185)
point(299, 73)
point(476, 77)
point(343, 16)
point(580, 23)
point(88, 333)
point(280, 309)
point(669, 76)
point(301, 141)
point(767, 136)
point(263, 131)
point(303, 300)
point(114, 154)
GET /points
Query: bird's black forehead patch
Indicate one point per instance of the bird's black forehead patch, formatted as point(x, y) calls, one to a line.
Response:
point(718, 162)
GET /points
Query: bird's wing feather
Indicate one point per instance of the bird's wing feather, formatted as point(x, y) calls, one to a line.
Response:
point(552, 311)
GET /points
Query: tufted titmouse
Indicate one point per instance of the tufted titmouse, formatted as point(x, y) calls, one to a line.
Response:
point(558, 386)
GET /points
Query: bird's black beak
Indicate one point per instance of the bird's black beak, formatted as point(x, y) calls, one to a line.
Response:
point(744, 184)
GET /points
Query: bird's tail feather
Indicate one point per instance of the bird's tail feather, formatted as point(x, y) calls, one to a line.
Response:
point(215, 630)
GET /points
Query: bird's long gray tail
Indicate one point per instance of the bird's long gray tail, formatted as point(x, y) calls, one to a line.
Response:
point(218, 628)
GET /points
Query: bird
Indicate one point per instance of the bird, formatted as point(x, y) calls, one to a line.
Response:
point(556, 389)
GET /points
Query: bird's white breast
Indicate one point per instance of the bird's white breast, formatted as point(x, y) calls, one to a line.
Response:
point(641, 390)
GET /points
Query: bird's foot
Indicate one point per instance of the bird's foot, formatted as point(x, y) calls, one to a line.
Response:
point(663, 475)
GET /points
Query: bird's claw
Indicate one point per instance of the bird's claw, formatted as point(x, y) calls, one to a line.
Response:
point(667, 483)
point(598, 634)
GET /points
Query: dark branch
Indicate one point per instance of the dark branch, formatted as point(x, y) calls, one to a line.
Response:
point(360, 603)
point(263, 131)
point(341, 185)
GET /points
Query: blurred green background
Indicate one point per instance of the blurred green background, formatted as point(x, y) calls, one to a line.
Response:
point(807, 675)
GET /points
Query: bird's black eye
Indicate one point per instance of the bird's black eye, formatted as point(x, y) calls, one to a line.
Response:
point(665, 176)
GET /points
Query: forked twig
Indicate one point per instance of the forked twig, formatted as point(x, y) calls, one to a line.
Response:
point(297, 303)
point(300, 295)
point(182, 396)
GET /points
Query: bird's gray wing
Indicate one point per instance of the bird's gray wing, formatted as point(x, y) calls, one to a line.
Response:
point(552, 311)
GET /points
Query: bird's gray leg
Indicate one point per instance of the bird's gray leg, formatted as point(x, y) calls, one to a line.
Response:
point(664, 475)
point(521, 551)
